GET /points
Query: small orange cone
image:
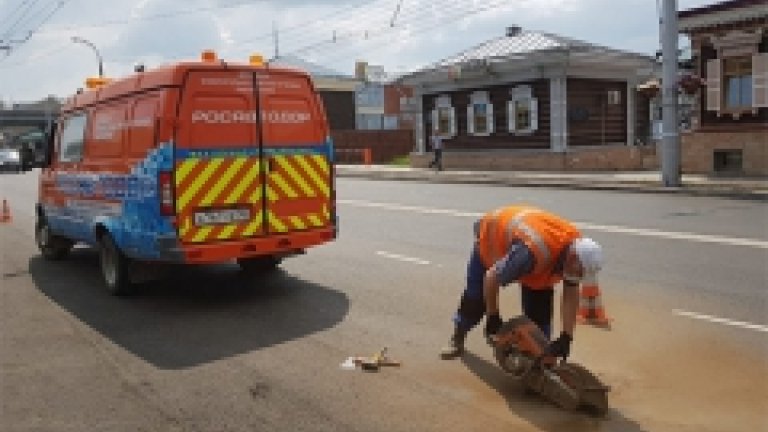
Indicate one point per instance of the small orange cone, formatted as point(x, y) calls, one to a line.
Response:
point(5, 216)
point(591, 309)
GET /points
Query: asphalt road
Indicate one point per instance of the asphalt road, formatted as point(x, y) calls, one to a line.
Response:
point(208, 349)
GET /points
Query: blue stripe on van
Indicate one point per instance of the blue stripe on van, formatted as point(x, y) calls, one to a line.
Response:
point(126, 204)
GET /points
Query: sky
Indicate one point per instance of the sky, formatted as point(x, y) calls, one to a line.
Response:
point(399, 35)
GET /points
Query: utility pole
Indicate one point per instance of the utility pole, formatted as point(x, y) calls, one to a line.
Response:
point(670, 152)
point(397, 12)
point(275, 39)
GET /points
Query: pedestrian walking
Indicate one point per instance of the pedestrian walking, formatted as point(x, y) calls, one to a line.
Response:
point(437, 149)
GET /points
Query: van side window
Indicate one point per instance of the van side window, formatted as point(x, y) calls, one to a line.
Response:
point(72, 137)
point(142, 127)
point(107, 131)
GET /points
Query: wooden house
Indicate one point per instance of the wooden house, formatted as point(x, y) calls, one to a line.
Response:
point(729, 133)
point(535, 100)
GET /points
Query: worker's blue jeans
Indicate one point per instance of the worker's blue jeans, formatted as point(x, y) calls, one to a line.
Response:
point(537, 303)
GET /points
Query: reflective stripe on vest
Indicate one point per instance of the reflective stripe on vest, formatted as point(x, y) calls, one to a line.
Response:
point(491, 228)
point(517, 224)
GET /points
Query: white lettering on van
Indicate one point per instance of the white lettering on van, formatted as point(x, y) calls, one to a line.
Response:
point(227, 81)
point(105, 127)
point(285, 117)
point(238, 116)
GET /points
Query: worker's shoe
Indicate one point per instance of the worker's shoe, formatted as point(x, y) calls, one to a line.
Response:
point(456, 347)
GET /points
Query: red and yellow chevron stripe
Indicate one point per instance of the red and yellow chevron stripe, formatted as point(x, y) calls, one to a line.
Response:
point(219, 182)
point(298, 192)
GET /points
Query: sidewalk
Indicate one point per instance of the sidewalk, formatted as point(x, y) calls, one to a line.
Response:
point(640, 181)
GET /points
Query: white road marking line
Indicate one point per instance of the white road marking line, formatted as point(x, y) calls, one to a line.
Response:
point(415, 209)
point(403, 258)
point(733, 241)
point(703, 238)
point(718, 320)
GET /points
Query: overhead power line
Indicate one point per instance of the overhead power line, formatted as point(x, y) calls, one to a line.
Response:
point(36, 28)
point(18, 7)
point(353, 51)
point(301, 28)
point(158, 16)
point(366, 30)
point(424, 20)
point(372, 20)
point(29, 6)
point(394, 15)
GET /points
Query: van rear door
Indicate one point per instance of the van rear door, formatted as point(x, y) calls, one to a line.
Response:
point(296, 148)
point(217, 170)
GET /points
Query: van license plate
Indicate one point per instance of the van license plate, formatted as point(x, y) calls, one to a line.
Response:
point(222, 217)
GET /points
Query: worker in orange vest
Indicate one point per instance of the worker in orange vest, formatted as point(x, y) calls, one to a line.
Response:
point(536, 248)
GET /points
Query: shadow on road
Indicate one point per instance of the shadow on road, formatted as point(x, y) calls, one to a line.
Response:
point(539, 412)
point(196, 315)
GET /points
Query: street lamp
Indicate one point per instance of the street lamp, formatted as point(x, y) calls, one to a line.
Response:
point(77, 39)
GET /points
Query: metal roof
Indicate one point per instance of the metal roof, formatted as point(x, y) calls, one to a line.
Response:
point(522, 44)
point(313, 69)
point(724, 13)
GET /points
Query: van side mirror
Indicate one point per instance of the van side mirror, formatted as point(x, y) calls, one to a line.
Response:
point(44, 154)
point(38, 156)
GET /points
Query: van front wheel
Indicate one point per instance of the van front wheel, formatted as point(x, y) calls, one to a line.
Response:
point(51, 246)
point(114, 267)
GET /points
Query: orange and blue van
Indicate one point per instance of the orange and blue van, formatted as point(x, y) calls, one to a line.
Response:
point(196, 162)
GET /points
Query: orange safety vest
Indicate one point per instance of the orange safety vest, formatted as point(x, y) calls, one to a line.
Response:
point(545, 234)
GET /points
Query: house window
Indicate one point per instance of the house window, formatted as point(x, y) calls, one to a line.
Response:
point(737, 76)
point(737, 83)
point(480, 114)
point(727, 161)
point(480, 119)
point(614, 97)
point(444, 121)
point(444, 117)
point(522, 115)
point(523, 111)
point(72, 138)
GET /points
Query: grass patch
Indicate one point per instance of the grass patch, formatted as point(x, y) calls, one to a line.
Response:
point(401, 161)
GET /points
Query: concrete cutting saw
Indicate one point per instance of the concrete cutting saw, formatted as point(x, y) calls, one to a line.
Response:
point(520, 348)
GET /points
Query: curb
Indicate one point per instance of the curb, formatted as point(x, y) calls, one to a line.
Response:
point(737, 191)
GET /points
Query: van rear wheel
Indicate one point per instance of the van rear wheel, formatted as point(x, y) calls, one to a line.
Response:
point(259, 264)
point(51, 246)
point(114, 267)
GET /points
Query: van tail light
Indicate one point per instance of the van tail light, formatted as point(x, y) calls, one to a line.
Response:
point(166, 193)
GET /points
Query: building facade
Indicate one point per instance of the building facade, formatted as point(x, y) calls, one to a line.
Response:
point(532, 92)
point(380, 103)
point(729, 133)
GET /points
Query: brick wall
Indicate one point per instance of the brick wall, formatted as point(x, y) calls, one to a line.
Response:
point(697, 156)
point(603, 158)
point(698, 148)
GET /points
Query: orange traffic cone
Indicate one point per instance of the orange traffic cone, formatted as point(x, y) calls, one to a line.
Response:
point(591, 309)
point(5, 216)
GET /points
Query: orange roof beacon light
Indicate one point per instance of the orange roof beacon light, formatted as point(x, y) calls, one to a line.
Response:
point(256, 60)
point(96, 82)
point(208, 56)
